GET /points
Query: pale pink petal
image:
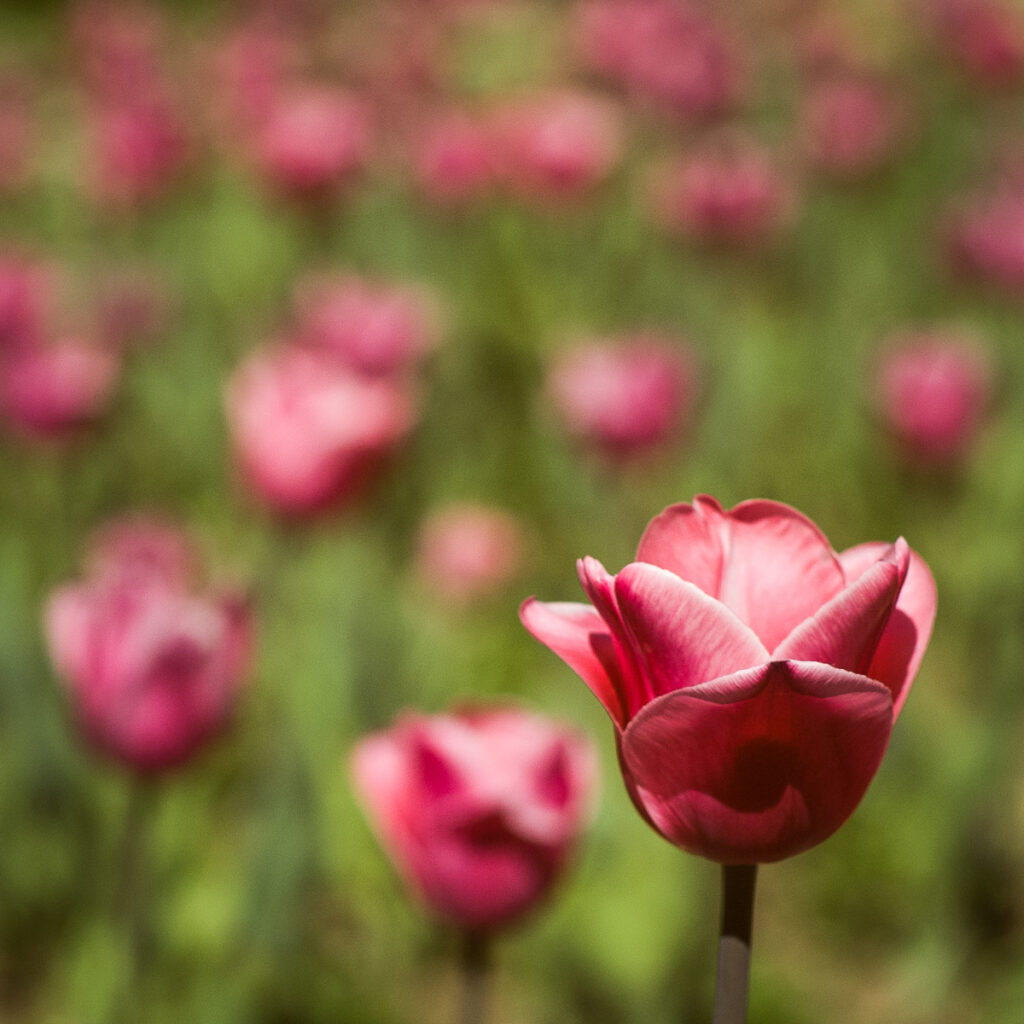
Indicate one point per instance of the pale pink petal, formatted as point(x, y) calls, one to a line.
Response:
point(380, 775)
point(681, 637)
point(906, 635)
point(845, 633)
point(68, 624)
point(576, 633)
point(760, 765)
point(687, 540)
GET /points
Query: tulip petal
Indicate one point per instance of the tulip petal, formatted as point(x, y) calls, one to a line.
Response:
point(687, 540)
point(580, 637)
point(681, 637)
point(905, 637)
point(845, 633)
point(760, 765)
point(68, 621)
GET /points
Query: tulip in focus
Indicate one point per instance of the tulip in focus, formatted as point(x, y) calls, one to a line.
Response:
point(478, 810)
point(152, 666)
point(852, 126)
point(48, 391)
point(558, 145)
point(752, 674)
point(625, 396)
point(467, 552)
point(313, 142)
point(932, 391)
point(732, 195)
point(374, 327)
point(308, 430)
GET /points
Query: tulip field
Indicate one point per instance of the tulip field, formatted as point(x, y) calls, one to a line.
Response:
point(472, 468)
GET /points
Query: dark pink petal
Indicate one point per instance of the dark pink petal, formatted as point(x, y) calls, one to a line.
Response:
point(576, 633)
point(681, 637)
point(687, 540)
point(845, 633)
point(906, 634)
point(760, 765)
point(779, 569)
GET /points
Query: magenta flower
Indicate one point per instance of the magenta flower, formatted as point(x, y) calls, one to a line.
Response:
point(152, 668)
point(309, 431)
point(375, 327)
point(466, 551)
point(478, 810)
point(752, 674)
point(627, 395)
point(455, 159)
point(932, 390)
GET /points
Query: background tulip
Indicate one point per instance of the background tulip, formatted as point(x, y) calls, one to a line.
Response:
point(152, 667)
point(479, 810)
point(752, 674)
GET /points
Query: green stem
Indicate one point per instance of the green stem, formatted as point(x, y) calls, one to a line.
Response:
point(738, 882)
point(474, 964)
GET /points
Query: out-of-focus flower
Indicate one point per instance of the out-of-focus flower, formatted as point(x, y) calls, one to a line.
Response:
point(852, 126)
point(478, 810)
point(141, 149)
point(558, 145)
point(455, 158)
point(752, 674)
point(130, 308)
point(152, 668)
point(468, 551)
point(667, 53)
point(729, 195)
point(986, 238)
point(373, 326)
point(25, 293)
point(313, 142)
point(626, 395)
point(985, 38)
point(16, 135)
point(49, 390)
point(308, 430)
point(932, 390)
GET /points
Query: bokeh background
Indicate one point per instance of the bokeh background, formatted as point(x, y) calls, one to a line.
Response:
point(269, 900)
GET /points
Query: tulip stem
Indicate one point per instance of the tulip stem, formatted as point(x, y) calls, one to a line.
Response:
point(738, 882)
point(475, 964)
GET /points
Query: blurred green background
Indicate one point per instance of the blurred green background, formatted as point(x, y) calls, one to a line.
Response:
point(271, 902)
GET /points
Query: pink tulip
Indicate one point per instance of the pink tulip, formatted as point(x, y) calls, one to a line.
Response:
point(314, 141)
point(478, 810)
point(932, 390)
point(455, 158)
point(731, 195)
point(372, 326)
point(152, 668)
point(50, 390)
point(852, 126)
point(626, 396)
point(558, 145)
point(467, 552)
point(131, 308)
point(667, 53)
point(25, 293)
point(752, 674)
point(985, 38)
point(308, 431)
point(987, 238)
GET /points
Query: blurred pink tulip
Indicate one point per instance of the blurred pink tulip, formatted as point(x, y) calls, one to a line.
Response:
point(753, 675)
point(985, 38)
point(152, 668)
point(558, 145)
point(130, 308)
point(455, 159)
point(373, 326)
point(467, 552)
point(932, 391)
point(478, 810)
point(987, 238)
point(668, 53)
point(141, 150)
point(314, 142)
point(26, 288)
point(627, 395)
point(50, 390)
point(729, 195)
point(308, 430)
point(852, 126)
